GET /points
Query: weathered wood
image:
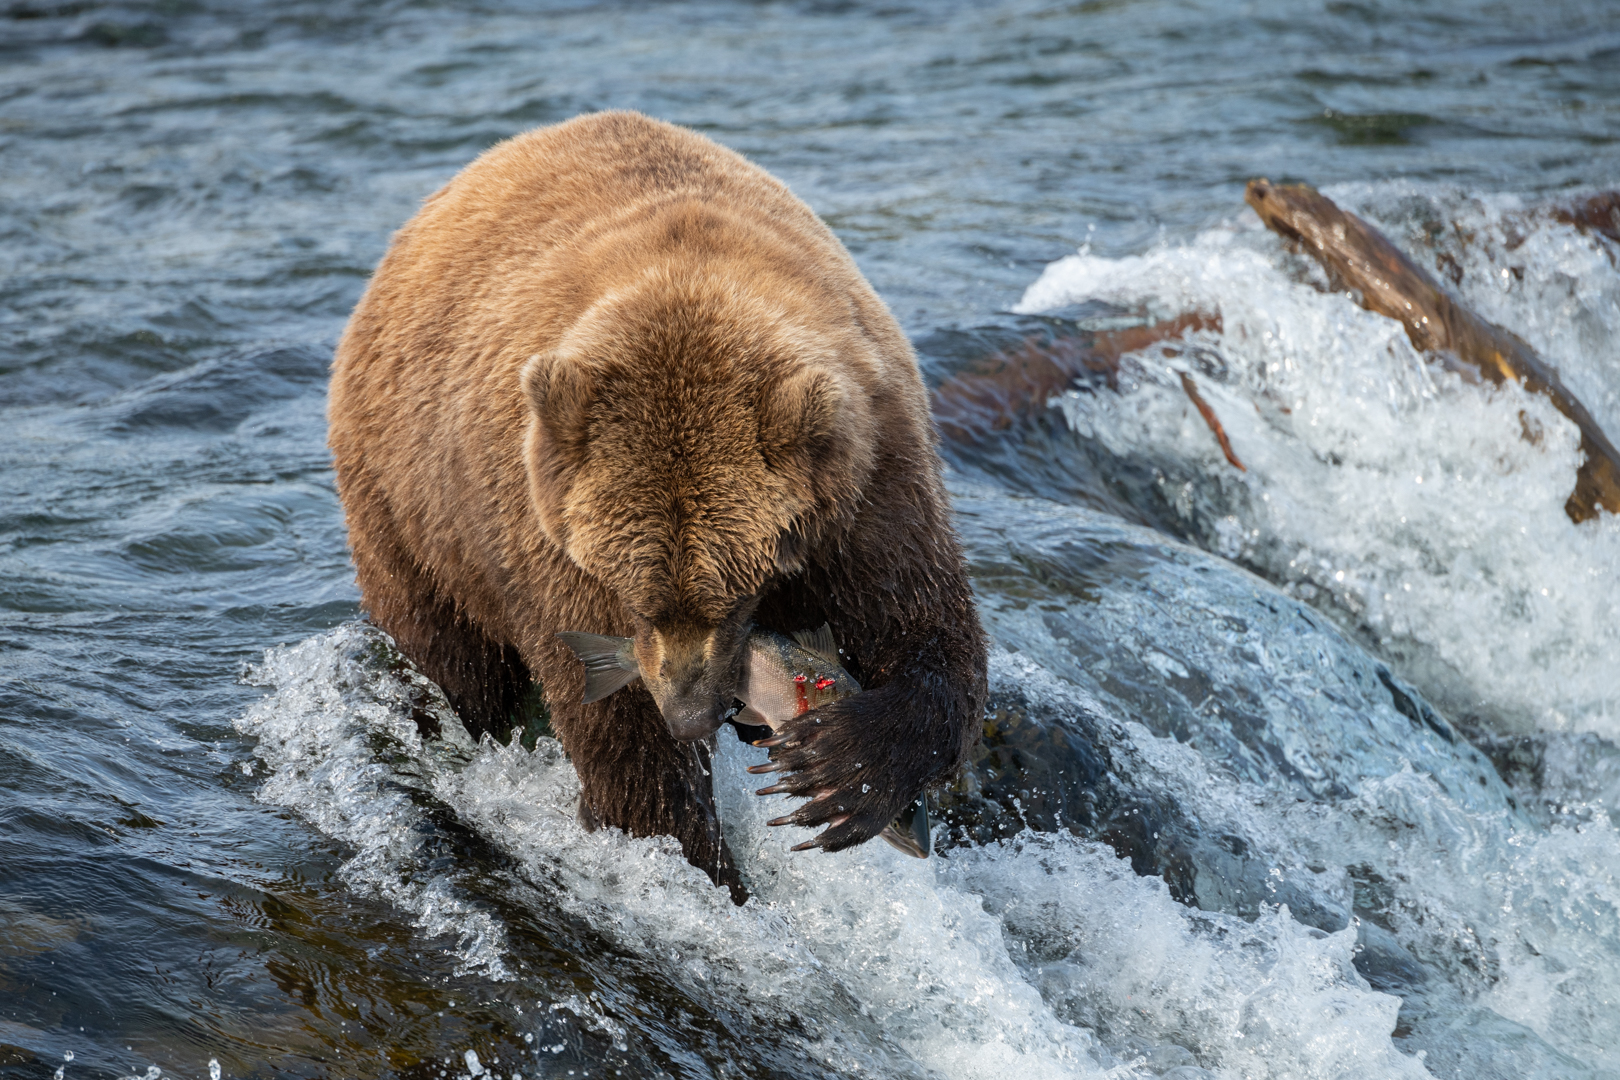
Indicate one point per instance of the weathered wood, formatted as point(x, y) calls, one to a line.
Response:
point(1359, 259)
point(1191, 389)
point(1598, 213)
point(1010, 386)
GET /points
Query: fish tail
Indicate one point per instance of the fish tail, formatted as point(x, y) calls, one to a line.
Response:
point(911, 832)
point(609, 663)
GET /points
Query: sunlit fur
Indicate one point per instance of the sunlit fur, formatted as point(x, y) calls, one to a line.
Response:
point(613, 378)
point(685, 425)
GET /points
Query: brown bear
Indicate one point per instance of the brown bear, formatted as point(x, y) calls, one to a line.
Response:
point(614, 378)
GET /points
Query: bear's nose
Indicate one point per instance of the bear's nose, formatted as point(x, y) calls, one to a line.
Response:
point(694, 682)
point(693, 717)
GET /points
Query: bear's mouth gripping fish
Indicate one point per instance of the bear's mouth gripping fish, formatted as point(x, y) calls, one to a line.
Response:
point(782, 678)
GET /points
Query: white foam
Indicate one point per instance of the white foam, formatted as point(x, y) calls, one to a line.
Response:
point(1504, 916)
point(1270, 998)
point(335, 715)
point(1504, 926)
point(893, 966)
point(1519, 921)
point(1394, 494)
point(1517, 266)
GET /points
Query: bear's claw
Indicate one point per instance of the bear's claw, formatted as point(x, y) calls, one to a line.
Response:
point(819, 839)
point(852, 797)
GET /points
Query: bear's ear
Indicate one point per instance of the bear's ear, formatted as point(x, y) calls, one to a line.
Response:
point(559, 389)
point(806, 417)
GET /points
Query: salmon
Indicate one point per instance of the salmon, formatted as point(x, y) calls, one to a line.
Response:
point(783, 677)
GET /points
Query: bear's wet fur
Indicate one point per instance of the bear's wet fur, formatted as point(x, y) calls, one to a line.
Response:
point(614, 378)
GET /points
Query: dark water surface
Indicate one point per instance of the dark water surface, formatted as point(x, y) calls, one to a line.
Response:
point(193, 195)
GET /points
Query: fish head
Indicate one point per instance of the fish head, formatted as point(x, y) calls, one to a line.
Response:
point(783, 679)
point(768, 684)
point(692, 669)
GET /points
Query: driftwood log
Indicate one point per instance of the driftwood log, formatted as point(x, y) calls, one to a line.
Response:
point(1007, 387)
point(1600, 214)
point(1359, 259)
point(1010, 386)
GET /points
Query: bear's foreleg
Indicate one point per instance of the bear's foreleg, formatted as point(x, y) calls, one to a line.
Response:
point(635, 777)
point(484, 680)
point(897, 598)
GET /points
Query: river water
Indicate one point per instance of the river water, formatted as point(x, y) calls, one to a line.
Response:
point(1348, 716)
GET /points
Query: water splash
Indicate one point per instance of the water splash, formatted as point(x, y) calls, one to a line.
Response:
point(343, 750)
point(866, 962)
point(1262, 727)
point(1422, 510)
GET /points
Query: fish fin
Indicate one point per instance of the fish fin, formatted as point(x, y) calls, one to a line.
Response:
point(819, 641)
point(902, 842)
point(609, 666)
point(752, 717)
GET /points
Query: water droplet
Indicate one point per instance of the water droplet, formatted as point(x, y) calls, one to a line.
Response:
point(59, 1070)
point(67, 1055)
point(213, 1069)
point(473, 1067)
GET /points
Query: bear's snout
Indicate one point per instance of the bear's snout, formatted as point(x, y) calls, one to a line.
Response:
point(693, 719)
point(696, 675)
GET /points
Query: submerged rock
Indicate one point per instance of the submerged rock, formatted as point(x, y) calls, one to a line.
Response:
point(1195, 712)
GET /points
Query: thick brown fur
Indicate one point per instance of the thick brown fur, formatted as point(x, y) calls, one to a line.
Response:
point(614, 378)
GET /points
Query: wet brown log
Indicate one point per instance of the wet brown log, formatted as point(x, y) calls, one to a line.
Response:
point(1358, 258)
point(1191, 390)
point(1598, 213)
point(1013, 385)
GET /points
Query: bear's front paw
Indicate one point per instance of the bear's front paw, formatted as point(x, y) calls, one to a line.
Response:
point(853, 788)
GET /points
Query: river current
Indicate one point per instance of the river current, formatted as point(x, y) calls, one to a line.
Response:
point(1308, 770)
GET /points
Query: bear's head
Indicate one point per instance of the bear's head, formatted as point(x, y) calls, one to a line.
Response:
point(689, 442)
